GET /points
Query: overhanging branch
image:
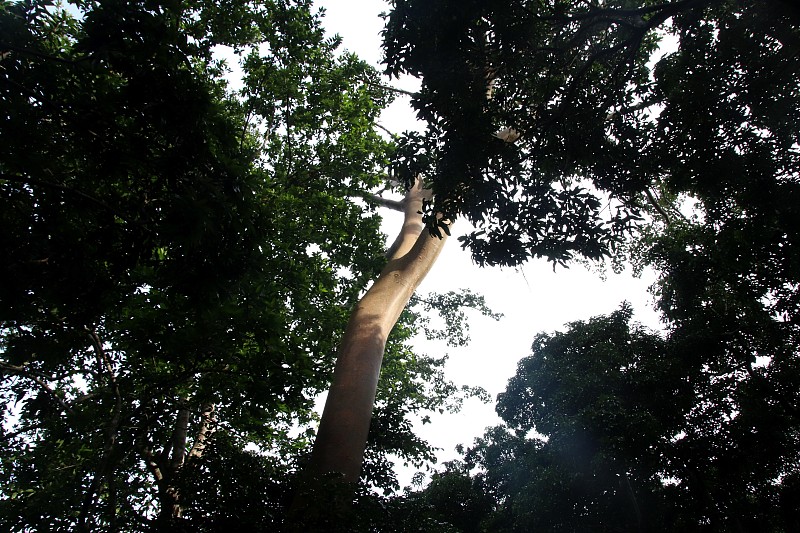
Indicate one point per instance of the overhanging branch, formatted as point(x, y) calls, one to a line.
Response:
point(618, 15)
point(395, 205)
point(652, 200)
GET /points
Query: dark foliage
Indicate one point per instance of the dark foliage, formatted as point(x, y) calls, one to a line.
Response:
point(695, 429)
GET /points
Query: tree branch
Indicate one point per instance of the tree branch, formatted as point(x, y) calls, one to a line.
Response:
point(28, 373)
point(5, 437)
point(652, 200)
point(616, 15)
point(395, 205)
point(389, 88)
point(75, 192)
point(381, 127)
point(105, 469)
point(644, 104)
point(151, 462)
point(58, 186)
point(206, 430)
point(39, 55)
point(412, 220)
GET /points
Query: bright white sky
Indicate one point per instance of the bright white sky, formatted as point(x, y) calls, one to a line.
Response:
point(532, 298)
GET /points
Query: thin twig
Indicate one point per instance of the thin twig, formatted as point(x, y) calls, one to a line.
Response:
point(390, 88)
point(655, 204)
point(381, 127)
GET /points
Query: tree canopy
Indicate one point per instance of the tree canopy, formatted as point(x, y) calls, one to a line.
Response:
point(181, 258)
point(601, 119)
point(610, 426)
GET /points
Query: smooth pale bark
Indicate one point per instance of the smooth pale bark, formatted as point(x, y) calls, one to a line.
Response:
point(342, 436)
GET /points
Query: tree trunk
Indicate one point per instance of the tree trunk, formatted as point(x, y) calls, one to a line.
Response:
point(342, 436)
point(167, 468)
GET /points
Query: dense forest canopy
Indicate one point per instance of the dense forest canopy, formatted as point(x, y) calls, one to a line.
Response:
point(608, 426)
point(599, 125)
point(181, 259)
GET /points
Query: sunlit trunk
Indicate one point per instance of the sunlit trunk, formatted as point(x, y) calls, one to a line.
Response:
point(342, 435)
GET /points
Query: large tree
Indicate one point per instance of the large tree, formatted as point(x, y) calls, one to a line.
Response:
point(549, 129)
point(469, 160)
point(181, 260)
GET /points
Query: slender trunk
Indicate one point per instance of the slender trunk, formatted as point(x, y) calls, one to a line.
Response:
point(167, 466)
point(634, 502)
point(342, 436)
point(206, 430)
point(170, 494)
point(106, 466)
point(180, 434)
